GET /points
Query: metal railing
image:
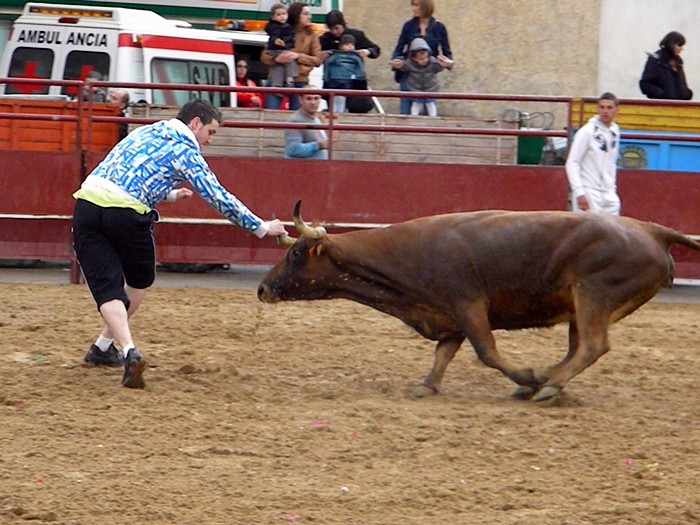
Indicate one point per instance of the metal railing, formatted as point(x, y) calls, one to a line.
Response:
point(330, 126)
point(574, 110)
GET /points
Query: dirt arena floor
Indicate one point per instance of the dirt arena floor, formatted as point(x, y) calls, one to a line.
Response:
point(266, 414)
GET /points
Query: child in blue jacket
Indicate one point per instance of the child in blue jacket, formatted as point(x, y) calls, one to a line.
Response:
point(342, 68)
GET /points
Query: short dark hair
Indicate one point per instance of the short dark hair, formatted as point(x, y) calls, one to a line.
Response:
point(671, 39)
point(609, 96)
point(275, 7)
point(347, 38)
point(335, 18)
point(199, 108)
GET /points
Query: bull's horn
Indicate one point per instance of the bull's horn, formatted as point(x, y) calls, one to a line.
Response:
point(303, 228)
point(285, 240)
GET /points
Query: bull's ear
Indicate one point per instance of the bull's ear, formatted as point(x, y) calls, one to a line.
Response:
point(316, 250)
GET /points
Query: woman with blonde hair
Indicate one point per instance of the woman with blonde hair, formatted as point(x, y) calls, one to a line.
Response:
point(422, 25)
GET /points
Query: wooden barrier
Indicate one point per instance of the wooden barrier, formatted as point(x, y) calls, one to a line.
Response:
point(347, 194)
point(657, 116)
point(344, 194)
point(386, 179)
point(19, 134)
point(36, 204)
point(364, 145)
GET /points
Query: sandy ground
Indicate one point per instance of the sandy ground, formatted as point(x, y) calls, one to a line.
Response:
point(264, 414)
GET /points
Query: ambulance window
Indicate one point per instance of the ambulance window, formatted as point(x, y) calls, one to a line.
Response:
point(80, 63)
point(30, 62)
point(257, 71)
point(168, 71)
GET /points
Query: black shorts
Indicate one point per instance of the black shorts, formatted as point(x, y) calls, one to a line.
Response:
point(114, 246)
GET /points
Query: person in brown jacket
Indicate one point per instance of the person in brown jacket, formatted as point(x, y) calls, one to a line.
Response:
point(306, 51)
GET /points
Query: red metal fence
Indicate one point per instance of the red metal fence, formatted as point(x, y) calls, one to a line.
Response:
point(36, 202)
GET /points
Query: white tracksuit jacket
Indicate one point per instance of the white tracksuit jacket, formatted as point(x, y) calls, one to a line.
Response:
point(591, 166)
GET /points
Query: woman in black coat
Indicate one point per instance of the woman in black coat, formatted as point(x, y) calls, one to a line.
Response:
point(663, 75)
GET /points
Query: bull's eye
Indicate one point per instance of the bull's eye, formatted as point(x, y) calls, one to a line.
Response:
point(294, 255)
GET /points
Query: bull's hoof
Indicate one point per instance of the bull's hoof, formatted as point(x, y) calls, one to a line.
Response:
point(423, 391)
point(547, 393)
point(529, 377)
point(523, 392)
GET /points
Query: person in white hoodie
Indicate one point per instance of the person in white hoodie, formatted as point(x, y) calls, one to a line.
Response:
point(591, 165)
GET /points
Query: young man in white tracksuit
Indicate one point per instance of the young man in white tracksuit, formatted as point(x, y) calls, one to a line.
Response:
point(591, 165)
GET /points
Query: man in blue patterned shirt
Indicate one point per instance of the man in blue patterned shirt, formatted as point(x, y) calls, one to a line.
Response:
point(114, 216)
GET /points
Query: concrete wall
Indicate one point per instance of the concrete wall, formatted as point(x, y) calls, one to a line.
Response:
point(538, 47)
point(630, 28)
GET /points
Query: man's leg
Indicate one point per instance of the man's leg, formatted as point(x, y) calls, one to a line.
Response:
point(114, 245)
point(116, 321)
point(135, 297)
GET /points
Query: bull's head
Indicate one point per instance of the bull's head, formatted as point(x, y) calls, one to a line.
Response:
point(304, 267)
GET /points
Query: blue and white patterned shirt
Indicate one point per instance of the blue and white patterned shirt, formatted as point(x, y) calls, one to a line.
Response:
point(152, 161)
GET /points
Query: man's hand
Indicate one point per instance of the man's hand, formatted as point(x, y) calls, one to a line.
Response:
point(582, 203)
point(276, 228)
point(286, 56)
point(180, 193)
point(444, 61)
point(396, 63)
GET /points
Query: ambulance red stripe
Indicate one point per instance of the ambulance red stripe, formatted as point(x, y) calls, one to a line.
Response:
point(176, 44)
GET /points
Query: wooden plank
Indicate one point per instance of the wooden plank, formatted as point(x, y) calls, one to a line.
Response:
point(368, 146)
point(662, 118)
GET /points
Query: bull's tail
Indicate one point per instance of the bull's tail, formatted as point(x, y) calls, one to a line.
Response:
point(678, 238)
point(666, 237)
point(669, 236)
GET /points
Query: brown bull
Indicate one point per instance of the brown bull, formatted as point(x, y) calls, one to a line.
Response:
point(460, 276)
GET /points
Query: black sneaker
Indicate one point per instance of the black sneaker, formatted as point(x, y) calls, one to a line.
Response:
point(96, 357)
point(134, 365)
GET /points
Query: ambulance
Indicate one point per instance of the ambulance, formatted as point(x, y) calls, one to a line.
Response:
point(65, 42)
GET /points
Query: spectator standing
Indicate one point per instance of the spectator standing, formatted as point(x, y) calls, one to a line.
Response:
point(114, 215)
point(281, 39)
point(342, 69)
point(591, 165)
point(337, 27)
point(99, 95)
point(425, 26)
point(248, 99)
point(365, 48)
point(663, 75)
point(421, 69)
point(120, 97)
point(306, 143)
point(307, 52)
